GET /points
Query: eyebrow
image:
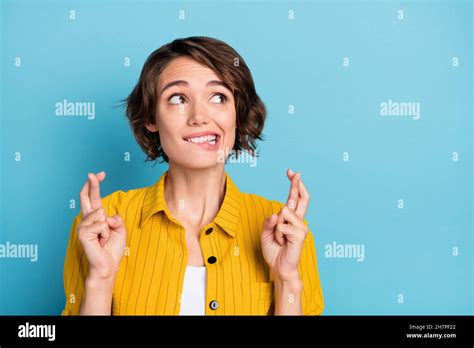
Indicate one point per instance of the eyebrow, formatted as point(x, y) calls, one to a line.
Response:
point(185, 83)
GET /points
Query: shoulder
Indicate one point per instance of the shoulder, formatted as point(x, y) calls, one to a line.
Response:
point(117, 202)
point(256, 204)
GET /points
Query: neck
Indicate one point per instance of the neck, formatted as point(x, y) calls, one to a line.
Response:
point(194, 196)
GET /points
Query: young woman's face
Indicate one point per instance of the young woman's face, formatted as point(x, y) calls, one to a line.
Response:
point(196, 116)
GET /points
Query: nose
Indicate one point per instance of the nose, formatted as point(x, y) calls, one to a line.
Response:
point(198, 115)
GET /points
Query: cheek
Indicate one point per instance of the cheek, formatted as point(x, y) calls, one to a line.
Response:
point(168, 134)
point(168, 137)
point(228, 124)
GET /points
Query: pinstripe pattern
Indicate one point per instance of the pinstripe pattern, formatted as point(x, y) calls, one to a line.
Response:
point(150, 278)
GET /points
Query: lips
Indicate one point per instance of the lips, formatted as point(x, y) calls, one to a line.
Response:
point(211, 139)
point(203, 137)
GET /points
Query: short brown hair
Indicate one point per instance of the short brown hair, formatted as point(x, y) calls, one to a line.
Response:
point(226, 63)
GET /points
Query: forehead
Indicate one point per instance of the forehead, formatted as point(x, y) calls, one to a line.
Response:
point(185, 68)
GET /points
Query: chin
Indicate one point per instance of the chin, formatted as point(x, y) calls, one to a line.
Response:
point(198, 162)
point(196, 157)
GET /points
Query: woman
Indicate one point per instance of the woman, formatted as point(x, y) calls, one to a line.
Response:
point(192, 243)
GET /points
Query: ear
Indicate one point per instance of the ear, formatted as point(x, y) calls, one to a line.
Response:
point(151, 127)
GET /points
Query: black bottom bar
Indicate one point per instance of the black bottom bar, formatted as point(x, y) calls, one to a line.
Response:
point(175, 330)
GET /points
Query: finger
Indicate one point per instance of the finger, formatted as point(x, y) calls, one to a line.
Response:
point(94, 191)
point(116, 223)
point(289, 215)
point(104, 234)
point(269, 224)
point(95, 216)
point(290, 173)
point(100, 176)
point(294, 192)
point(86, 207)
point(303, 201)
point(278, 235)
point(92, 232)
point(289, 232)
point(268, 227)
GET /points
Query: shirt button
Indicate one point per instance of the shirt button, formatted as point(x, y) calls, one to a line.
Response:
point(209, 230)
point(214, 305)
point(212, 259)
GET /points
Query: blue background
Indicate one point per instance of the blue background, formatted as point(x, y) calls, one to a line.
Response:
point(337, 109)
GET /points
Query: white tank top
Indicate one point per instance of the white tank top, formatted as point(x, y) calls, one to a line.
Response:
point(193, 297)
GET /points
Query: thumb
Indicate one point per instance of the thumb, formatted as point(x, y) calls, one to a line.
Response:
point(100, 176)
point(269, 225)
point(115, 221)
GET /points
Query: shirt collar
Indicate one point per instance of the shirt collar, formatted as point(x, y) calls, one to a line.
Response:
point(227, 217)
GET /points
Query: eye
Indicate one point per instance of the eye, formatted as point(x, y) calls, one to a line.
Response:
point(222, 96)
point(176, 99)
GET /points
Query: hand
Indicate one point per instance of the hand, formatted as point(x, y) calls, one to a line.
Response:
point(284, 233)
point(102, 237)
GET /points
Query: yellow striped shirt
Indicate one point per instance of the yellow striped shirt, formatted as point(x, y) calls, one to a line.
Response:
point(151, 274)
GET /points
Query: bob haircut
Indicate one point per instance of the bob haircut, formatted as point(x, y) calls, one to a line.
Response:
point(226, 63)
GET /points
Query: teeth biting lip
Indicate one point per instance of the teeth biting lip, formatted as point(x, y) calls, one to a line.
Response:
point(205, 139)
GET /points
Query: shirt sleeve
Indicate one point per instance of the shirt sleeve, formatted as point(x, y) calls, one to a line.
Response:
point(312, 296)
point(76, 265)
point(75, 271)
